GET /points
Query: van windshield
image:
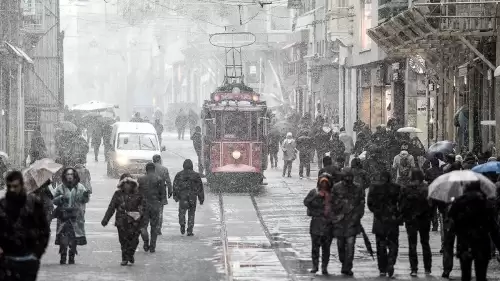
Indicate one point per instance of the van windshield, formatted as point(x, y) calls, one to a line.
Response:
point(130, 141)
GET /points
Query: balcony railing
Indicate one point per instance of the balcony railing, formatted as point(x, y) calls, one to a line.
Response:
point(294, 68)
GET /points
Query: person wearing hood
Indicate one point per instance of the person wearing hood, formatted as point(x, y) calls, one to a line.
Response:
point(348, 144)
point(470, 161)
point(70, 198)
point(318, 202)
point(361, 143)
point(474, 222)
point(383, 202)
point(348, 207)
point(24, 230)
point(289, 148)
point(305, 148)
point(337, 148)
point(153, 190)
point(330, 168)
point(402, 165)
point(361, 177)
point(416, 213)
point(188, 187)
point(128, 204)
point(321, 142)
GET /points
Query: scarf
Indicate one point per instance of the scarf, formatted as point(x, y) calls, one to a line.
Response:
point(327, 195)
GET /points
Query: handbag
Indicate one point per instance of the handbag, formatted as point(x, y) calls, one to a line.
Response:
point(65, 213)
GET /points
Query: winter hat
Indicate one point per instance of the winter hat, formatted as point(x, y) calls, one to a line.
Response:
point(289, 135)
point(459, 158)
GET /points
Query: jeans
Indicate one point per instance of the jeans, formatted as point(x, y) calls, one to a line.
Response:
point(151, 217)
point(423, 229)
point(182, 217)
point(387, 250)
point(448, 240)
point(273, 156)
point(305, 162)
point(481, 267)
point(324, 242)
point(180, 132)
point(129, 239)
point(19, 270)
point(287, 166)
point(160, 219)
point(345, 247)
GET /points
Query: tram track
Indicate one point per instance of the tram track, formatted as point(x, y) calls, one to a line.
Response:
point(226, 251)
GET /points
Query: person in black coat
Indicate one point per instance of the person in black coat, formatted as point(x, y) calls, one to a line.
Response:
point(473, 221)
point(416, 212)
point(330, 168)
point(129, 206)
point(305, 148)
point(24, 232)
point(196, 137)
point(361, 177)
point(318, 203)
point(153, 189)
point(187, 188)
point(383, 202)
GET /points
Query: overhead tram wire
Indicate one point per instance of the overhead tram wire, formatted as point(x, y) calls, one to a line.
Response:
point(184, 14)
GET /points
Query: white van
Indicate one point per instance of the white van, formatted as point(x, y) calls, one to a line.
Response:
point(133, 145)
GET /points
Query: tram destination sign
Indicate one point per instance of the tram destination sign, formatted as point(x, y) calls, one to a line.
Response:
point(236, 96)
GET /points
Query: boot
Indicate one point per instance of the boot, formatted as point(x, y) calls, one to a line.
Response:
point(315, 267)
point(146, 246)
point(183, 229)
point(63, 258)
point(71, 259)
point(324, 270)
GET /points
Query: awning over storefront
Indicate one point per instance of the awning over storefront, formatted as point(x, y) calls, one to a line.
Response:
point(16, 51)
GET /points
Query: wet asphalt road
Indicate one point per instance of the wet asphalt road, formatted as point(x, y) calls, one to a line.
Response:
point(266, 237)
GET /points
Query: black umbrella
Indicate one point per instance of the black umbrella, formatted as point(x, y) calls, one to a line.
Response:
point(443, 147)
point(368, 244)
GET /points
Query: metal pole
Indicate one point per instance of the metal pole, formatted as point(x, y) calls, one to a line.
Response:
point(428, 108)
point(497, 85)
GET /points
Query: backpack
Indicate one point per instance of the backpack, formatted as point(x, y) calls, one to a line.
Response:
point(404, 167)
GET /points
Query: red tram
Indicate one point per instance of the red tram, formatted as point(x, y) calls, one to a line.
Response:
point(235, 128)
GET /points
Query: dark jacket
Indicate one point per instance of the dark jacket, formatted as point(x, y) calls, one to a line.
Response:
point(152, 188)
point(305, 145)
point(162, 172)
point(196, 138)
point(383, 202)
point(333, 170)
point(25, 229)
point(320, 224)
point(45, 196)
point(414, 205)
point(274, 141)
point(433, 173)
point(123, 202)
point(188, 186)
point(337, 147)
point(322, 140)
point(348, 207)
point(361, 177)
point(38, 149)
point(473, 221)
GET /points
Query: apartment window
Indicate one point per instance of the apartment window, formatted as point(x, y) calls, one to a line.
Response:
point(279, 18)
point(366, 23)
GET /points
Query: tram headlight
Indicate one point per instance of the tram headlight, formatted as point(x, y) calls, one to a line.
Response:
point(236, 155)
point(122, 160)
point(255, 98)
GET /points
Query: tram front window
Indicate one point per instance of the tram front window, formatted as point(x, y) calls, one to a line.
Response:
point(236, 125)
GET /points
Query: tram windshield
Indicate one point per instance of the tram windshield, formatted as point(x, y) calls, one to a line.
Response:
point(233, 125)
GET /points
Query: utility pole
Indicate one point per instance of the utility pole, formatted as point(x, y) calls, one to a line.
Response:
point(497, 83)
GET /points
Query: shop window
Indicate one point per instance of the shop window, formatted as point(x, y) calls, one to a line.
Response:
point(366, 23)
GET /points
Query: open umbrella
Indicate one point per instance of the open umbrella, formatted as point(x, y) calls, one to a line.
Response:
point(488, 167)
point(409, 130)
point(93, 106)
point(67, 126)
point(443, 147)
point(451, 185)
point(39, 173)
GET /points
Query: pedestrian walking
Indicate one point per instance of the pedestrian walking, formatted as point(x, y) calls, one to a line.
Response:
point(330, 168)
point(44, 194)
point(305, 148)
point(162, 172)
point(361, 177)
point(38, 150)
point(432, 173)
point(128, 204)
point(137, 118)
point(289, 148)
point(159, 129)
point(402, 165)
point(348, 144)
point(24, 231)
point(470, 161)
point(188, 187)
point(318, 202)
point(474, 222)
point(152, 189)
point(383, 202)
point(322, 142)
point(274, 147)
point(107, 132)
point(416, 213)
point(78, 149)
point(96, 140)
point(70, 198)
point(348, 207)
point(196, 137)
point(337, 150)
point(180, 123)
